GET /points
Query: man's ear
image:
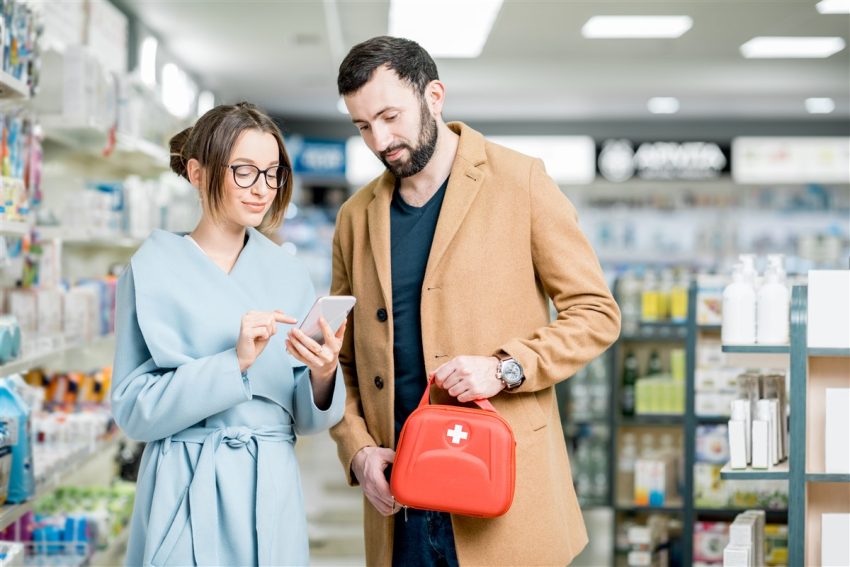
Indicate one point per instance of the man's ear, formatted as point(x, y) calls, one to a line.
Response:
point(435, 96)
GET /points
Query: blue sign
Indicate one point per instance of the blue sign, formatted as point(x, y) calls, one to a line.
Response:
point(320, 158)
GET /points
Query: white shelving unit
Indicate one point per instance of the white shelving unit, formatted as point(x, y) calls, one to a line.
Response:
point(39, 358)
point(14, 228)
point(9, 513)
point(12, 88)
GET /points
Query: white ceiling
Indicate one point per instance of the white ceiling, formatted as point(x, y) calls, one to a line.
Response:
point(284, 56)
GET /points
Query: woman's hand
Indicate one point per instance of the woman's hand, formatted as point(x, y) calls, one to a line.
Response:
point(322, 360)
point(255, 330)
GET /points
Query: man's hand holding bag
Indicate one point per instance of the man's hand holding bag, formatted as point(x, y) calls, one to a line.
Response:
point(455, 459)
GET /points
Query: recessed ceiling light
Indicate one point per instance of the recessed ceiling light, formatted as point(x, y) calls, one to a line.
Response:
point(820, 105)
point(641, 27)
point(445, 28)
point(663, 105)
point(792, 47)
point(833, 6)
point(340, 106)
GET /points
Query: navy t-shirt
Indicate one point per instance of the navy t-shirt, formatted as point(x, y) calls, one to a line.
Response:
point(411, 233)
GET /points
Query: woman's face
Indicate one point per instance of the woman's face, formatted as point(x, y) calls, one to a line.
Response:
point(247, 196)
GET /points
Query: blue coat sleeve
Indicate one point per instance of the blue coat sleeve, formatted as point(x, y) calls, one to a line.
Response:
point(309, 418)
point(151, 403)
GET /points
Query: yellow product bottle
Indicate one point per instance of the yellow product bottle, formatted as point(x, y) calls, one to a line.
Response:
point(650, 299)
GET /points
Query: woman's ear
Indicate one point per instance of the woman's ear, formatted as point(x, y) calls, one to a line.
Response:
point(194, 171)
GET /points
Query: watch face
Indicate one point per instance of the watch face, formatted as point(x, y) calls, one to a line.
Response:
point(511, 373)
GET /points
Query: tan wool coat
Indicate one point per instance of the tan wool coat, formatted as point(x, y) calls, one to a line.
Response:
point(507, 241)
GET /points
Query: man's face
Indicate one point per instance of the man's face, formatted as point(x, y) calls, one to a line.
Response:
point(395, 122)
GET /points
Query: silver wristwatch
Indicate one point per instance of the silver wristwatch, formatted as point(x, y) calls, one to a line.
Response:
point(510, 373)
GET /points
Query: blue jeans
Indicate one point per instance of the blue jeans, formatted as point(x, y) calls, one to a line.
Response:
point(426, 539)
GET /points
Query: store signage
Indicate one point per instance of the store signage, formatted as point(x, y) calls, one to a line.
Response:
point(569, 160)
point(791, 159)
point(317, 158)
point(619, 161)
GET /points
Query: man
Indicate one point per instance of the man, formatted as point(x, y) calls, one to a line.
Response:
point(453, 254)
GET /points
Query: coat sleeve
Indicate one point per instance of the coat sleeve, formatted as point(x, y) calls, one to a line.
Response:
point(588, 318)
point(151, 403)
point(351, 433)
point(310, 418)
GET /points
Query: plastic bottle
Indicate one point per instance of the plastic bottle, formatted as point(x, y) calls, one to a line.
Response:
point(630, 376)
point(650, 298)
point(748, 263)
point(626, 468)
point(654, 366)
point(739, 310)
point(679, 298)
point(16, 413)
point(773, 310)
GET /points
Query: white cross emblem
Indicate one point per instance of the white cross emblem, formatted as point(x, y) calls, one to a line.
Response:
point(457, 434)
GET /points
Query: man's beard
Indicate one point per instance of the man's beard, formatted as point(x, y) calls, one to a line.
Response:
point(421, 154)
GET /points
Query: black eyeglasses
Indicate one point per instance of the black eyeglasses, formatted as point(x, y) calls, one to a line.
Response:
point(245, 175)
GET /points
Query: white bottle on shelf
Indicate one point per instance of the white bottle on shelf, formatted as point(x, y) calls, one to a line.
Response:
point(739, 310)
point(774, 304)
point(748, 263)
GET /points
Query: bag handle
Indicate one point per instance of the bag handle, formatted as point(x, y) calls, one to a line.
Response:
point(483, 403)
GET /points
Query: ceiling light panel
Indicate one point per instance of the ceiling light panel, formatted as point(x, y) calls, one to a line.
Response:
point(636, 27)
point(792, 47)
point(445, 28)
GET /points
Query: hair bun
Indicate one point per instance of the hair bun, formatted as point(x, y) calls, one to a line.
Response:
point(176, 145)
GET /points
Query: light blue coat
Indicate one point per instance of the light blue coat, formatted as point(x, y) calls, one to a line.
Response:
point(218, 483)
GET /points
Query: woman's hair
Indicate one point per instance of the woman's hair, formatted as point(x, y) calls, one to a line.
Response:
point(406, 57)
point(211, 141)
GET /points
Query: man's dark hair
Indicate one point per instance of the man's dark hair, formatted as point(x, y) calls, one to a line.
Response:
point(407, 58)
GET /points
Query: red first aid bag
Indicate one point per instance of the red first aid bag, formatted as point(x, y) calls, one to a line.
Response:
point(455, 459)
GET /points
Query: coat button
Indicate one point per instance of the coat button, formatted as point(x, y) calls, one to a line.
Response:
point(382, 315)
point(379, 382)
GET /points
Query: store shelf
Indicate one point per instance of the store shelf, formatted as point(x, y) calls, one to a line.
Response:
point(40, 358)
point(757, 349)
point(712, 419)
point(712, 328)
point(11, 512)
point(827, 477)
point(139, 154)
point(12, 88)
point(650, 420)
point(9, 228)
point(114, 552)
point(86, 136)
point(779, 472)
point(829, 352)
point(773, 516)
point(84, 238)
point(672, 506)
point(661, 331)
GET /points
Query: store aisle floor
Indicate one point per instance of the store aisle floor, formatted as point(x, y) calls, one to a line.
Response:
point(334, 510)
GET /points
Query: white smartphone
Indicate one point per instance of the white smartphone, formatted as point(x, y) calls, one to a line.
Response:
point(334, 308)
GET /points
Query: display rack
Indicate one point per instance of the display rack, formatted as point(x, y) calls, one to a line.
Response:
point(40, 358)
point(687, 335)
point(811, 490)
point(9, 513)
point(14, 228)
point(12, 88)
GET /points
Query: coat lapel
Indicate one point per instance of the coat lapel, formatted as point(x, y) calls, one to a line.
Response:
point(465, 180)
point(378, 218)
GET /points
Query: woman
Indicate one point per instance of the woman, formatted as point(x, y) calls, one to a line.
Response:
point(201, 368)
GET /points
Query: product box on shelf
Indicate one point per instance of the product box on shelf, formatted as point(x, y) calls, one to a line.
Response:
point(709, 540)
point(829, 309)
point(836, 447)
